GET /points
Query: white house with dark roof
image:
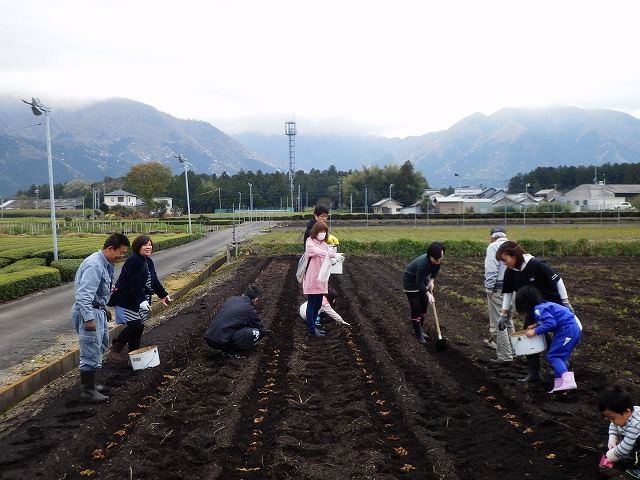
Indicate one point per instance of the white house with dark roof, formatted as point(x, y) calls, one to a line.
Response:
point(387, 205)
point(120, 197)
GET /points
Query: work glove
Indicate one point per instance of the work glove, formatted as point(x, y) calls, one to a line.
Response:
point(431, 285)
point(166, 300)
point(613, 441)
point(611, 456)
point(502, 321)
point(568, 306)
point(339, 257)
point(145, 306)
point(430, 298)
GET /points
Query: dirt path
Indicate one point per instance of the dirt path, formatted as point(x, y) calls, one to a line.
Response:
point(367, 402)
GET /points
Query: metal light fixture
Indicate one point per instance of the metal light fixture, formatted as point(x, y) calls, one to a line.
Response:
point(183, 161)
point(38, 109)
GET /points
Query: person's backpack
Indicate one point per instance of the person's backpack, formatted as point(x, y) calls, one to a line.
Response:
point(303, 263)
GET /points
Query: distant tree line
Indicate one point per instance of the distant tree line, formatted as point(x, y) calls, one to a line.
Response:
point(565, 178)
point(331, 187)
point(338, 189)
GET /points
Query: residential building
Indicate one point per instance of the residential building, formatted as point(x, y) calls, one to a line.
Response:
point(601, 196)
point(120, 197)
point(387, 205)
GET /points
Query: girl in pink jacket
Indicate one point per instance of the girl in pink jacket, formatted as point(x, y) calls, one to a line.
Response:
point(316, 250)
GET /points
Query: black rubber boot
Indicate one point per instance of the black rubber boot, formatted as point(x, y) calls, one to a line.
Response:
point(417, 329)
point(89, 392)
point(533, 362)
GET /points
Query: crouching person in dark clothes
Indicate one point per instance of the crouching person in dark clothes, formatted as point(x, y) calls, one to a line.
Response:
point(236, 328)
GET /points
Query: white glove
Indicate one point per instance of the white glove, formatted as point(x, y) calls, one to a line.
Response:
point(612, 457)
point(430, 298)
point(613, 441)
point(339, 257)
point(333, 261)
point(166, 300)
point(431, 284)
point(145, 306)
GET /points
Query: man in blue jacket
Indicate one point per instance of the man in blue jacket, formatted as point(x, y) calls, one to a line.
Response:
point(236, 328)
point(92, 290)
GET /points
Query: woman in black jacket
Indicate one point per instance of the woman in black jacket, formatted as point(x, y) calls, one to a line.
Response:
point(137, 283)
point(524, 269)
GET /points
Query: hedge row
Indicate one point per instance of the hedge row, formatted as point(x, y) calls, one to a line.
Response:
point(69, 261)
point(17, 284)
point(24, 264)
point(67, 267)
point(468, 248)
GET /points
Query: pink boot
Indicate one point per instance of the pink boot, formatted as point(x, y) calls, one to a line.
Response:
point(568, 382)
point(557, 382)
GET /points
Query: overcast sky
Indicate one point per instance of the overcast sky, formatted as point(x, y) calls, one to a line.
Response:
point(391, 68)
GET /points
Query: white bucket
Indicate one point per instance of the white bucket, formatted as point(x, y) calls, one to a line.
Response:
point(523, 345)
point(145, 357)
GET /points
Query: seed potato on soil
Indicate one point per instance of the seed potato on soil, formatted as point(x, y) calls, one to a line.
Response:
point(366, 402)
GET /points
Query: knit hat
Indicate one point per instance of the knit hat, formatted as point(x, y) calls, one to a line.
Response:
point(252, 292)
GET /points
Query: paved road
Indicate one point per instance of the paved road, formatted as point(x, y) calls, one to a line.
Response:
point(30, 325)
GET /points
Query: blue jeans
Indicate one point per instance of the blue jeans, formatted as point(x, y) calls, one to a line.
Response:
point(314, 303)
point(92, 345)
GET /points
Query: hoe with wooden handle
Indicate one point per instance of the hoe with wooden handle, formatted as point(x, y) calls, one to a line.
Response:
point(441, 343)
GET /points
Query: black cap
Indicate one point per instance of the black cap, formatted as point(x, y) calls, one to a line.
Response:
point(252, 292)
point(498, 230)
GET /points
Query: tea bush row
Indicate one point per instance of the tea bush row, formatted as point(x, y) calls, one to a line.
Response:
point(17, 284)
point(466, 248)
point(69, 260)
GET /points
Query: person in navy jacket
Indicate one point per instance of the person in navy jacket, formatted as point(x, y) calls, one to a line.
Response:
point(236, 328)
point(137, 283)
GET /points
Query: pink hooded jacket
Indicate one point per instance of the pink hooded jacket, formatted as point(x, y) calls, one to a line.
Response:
point(315, 250)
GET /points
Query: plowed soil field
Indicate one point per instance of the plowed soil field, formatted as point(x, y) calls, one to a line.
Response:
point(366, 402)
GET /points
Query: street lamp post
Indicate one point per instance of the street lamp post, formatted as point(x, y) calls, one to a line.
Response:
point(38, 109)
point(526, 197)
point(219, 200)
point(93, 202)
point(250, 197)
point(37, 197)
point(366, 203)
point(183, 161)
point(460, 207)
point(390, 185)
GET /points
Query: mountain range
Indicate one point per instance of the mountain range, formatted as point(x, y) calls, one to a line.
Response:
point(106, 138)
